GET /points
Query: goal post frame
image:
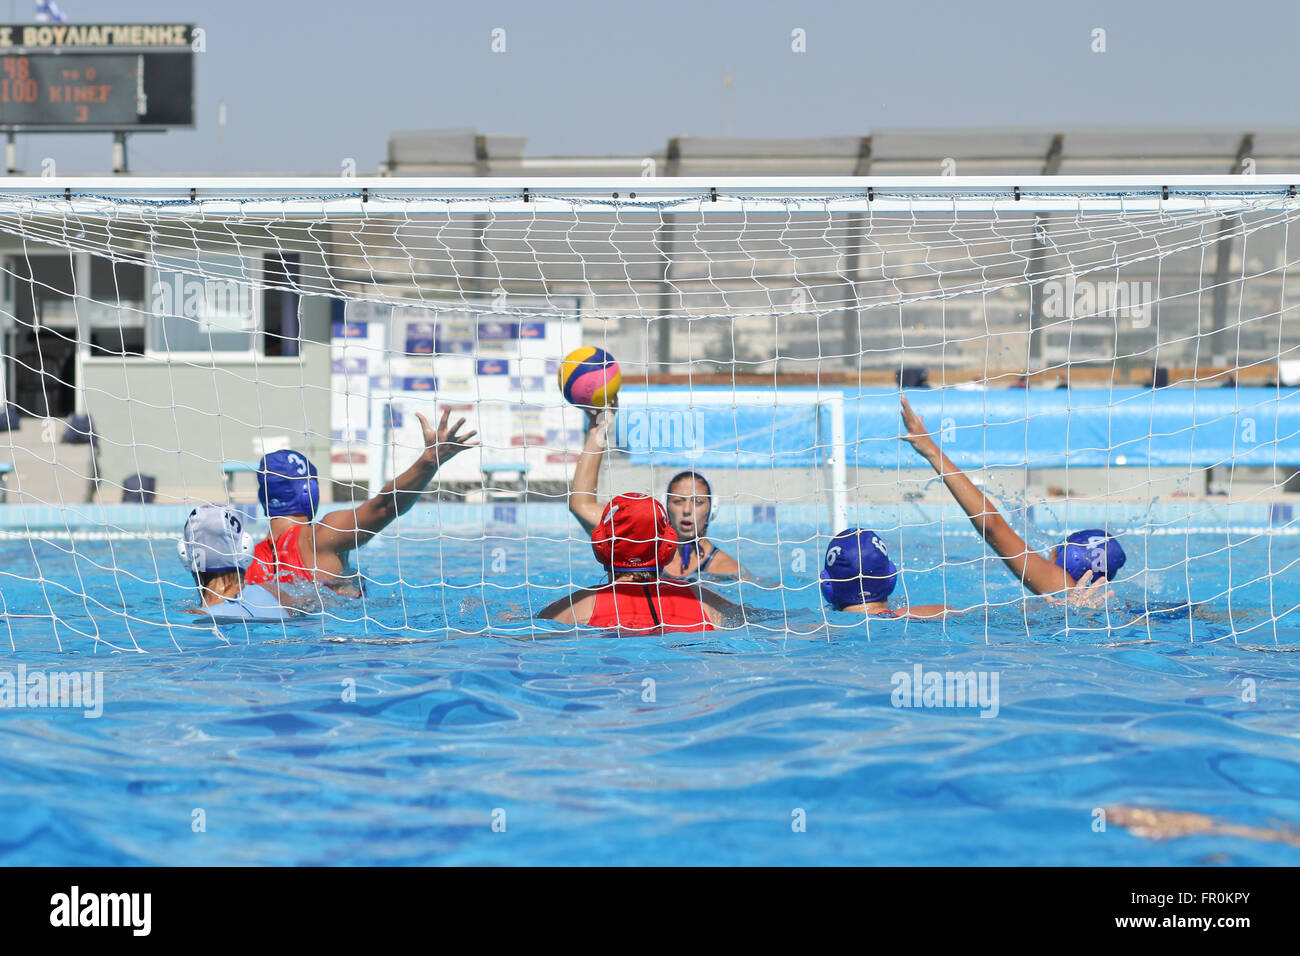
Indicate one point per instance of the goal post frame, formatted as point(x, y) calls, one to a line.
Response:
point(298, 196)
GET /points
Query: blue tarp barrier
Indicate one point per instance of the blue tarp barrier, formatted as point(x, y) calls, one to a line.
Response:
point(1123, 427)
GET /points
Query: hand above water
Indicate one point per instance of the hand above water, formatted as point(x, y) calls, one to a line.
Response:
point(1087, 593)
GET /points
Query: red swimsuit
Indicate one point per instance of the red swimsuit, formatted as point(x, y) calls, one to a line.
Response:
point(279, 560)
point(657, 607)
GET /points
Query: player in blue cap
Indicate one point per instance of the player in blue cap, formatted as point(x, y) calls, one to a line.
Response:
point(859, 577)
point(1082, 566)
point(300, 549)
point(216, 550)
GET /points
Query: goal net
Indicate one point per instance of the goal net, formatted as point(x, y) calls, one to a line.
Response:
point(1113, 354)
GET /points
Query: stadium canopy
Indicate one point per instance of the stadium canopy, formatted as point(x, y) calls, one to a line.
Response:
point(1045, 150)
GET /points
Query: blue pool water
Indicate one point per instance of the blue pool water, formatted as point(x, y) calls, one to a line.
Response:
point(677, 750)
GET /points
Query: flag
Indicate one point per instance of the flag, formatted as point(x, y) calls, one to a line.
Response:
point(47, 11)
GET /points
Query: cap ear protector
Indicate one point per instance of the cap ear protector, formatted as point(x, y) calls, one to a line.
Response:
point(708, 488)
point(287, 484)
point(214, 541)
point(1092, 550)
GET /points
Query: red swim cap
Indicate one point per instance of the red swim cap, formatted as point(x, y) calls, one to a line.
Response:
point(634, 535)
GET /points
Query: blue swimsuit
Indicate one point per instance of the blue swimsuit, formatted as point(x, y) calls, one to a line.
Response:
point(255, 603)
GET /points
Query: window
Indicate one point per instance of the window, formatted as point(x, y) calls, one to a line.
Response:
point(115, 313)
point(203, 303)
point(45, 287)
point(216, 303)
point(282, 332)
point(116, 341)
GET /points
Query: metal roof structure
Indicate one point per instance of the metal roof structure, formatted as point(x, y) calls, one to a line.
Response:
point(1065, 150)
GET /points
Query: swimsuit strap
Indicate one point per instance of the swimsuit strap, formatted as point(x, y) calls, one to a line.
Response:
point(654, 614)
point(705, 561)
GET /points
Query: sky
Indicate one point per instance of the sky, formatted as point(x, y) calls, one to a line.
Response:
point(310, 85)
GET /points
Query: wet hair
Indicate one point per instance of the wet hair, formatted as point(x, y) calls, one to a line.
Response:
point(637, 577)
point(708, 488)
point(205, 578)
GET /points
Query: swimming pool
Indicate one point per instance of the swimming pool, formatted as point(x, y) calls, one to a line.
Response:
point(381, 736)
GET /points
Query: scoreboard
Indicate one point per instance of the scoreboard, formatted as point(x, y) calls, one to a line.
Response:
point(96, 77)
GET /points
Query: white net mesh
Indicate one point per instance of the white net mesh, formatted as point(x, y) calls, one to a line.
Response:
point(158, 345)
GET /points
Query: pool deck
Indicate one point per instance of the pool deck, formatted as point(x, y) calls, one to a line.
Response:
point(45, 469)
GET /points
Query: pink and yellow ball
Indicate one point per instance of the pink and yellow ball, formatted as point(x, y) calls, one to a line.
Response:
point(589, 377)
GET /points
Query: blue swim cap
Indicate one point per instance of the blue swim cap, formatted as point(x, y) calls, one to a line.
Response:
point(858, 569)
point(1092, 550)
point(287, 484)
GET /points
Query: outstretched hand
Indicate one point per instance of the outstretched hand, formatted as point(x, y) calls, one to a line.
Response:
point(1087, 593)
point(915, 433)
point(444, 443)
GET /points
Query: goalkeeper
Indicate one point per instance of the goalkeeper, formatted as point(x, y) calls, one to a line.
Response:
point(1081, 566)
point(689, 503)
point(301, 549)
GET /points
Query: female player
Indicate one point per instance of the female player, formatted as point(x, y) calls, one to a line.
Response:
point(689, 502)
point(859, 577)
point(1080, 567)
point(301, 549)
point(216, 550)
point(635, 541)
point(690, 506)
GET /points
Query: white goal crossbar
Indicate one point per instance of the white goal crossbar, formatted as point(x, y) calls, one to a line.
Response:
point(510, 195)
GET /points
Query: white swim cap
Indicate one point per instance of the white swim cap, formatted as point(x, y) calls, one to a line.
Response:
point(215, 540)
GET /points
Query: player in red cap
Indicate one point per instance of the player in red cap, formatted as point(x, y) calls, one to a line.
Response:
point(635, 541)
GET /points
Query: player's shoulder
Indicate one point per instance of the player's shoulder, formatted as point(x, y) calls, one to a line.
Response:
point(573, 607)
point(257, 596)
point(924, 612)
point(720, 562)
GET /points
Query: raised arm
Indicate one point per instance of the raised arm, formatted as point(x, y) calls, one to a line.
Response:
point(1032, 569)
point(582, 493)
point(342, 531)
